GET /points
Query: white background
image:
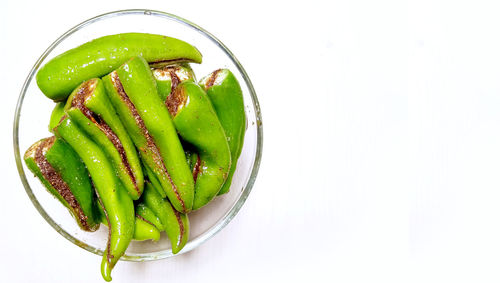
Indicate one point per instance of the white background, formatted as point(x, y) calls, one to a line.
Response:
point(381, 144)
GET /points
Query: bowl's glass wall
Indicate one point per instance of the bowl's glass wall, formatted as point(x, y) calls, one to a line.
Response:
point(33, 112)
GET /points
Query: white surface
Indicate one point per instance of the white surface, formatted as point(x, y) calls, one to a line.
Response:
point(381, 144)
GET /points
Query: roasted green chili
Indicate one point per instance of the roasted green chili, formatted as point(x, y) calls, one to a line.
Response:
point(100, 56)
point(64, 175)
point(117, 204)
point(90, 108)
point(197, 123)
point(226, 96)
point(132, 90)
point(176, 224)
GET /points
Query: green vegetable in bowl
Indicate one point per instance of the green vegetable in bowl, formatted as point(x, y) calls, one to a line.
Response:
point(64, 175)
point(226, 96)
point(197, 123)
point(176, 224)
point(132, 90)
point(138, 143)
point(96, 58)
point(90, 108)
point(117, 204)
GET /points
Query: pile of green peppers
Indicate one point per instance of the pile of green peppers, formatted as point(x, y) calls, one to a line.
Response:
point(137, 143)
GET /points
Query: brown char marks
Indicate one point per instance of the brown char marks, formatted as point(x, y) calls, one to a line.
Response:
point(144, 219)
point(171, 72)
point(196, 169)
point(210, 82)
point(56, 181)
point(150, 142)
point(79, 103)
point(168, 62)
point(181, 224)
point(175, 100)
point(174, 78)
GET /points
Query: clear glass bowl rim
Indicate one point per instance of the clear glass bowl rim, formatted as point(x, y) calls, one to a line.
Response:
point(236, 206)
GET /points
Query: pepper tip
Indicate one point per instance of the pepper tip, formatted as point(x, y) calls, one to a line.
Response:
point(106, 270)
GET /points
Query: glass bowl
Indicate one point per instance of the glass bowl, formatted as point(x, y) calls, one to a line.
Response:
point(33, 112)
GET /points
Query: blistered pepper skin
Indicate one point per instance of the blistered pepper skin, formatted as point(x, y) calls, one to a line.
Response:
point(132, 90)
point(64, 175)
point(197, 123)
point(96, 58)
point(117, 204)
point(226, 96)
point(90, 108)
point(176, 224)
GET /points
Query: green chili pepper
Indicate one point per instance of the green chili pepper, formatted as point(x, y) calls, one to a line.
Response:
point(197, 123)
point(96, 58)
point(176, 224)
point(226, 96)
point(64, 175)
point(143, 228)
point(118, 205)
point(132, 90)
point(168, 77)
point(90, 108)
point(56, 115)
point(148, 214)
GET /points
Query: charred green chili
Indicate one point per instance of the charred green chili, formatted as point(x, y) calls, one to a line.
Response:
point(132, 90)
point(167, 79)
point(64, 175)
point(197, 123)
point(96, 58)
point(176, 224)
point(91, 109)
point(117, 204)
point(226, 96)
